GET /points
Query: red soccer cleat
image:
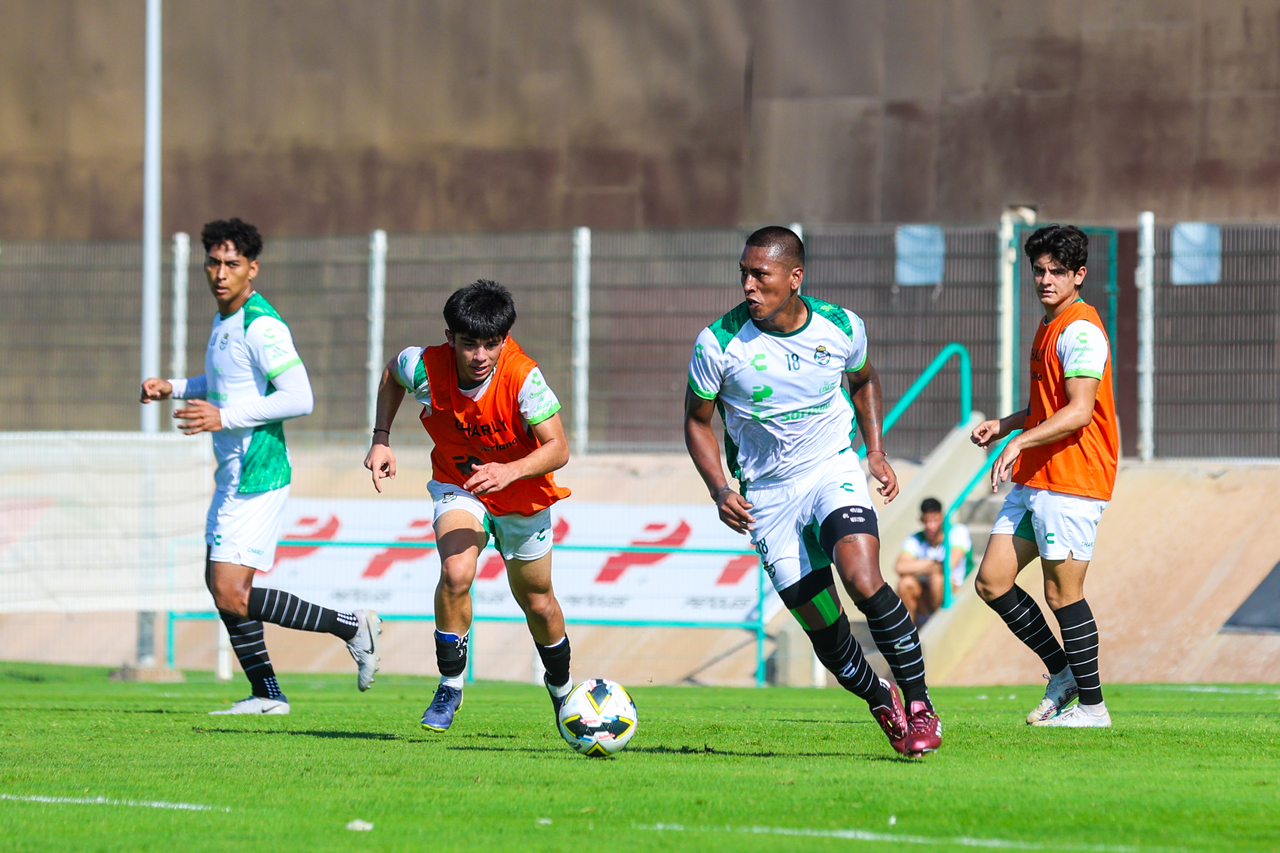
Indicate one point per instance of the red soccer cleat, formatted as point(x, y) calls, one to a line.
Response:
point(924, 730)
point(893, 719)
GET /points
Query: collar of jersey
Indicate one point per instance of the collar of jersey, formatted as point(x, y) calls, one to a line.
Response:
point(1045, 321)
point(807, 321)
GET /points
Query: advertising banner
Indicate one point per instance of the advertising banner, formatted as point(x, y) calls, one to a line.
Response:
point(664, 564)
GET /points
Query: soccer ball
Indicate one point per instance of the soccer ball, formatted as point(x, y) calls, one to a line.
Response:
point(597, 717)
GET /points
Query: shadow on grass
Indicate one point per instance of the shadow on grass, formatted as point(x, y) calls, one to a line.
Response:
point(662, 749)
point(310, 733)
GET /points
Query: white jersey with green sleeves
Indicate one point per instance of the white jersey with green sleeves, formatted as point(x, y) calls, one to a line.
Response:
point(537, 401)
point(1082, 350)
point(246, 351)
point(781, 396)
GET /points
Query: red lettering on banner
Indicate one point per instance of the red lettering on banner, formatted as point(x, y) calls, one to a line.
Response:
point(617, 564)
point(321, 534)
point(386, 559)
point(493, 566)
point(19, 516)
point(736, 569)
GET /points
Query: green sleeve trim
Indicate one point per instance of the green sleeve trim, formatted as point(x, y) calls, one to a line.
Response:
point(861, 365)
point(542, 417)
point(1090, 374)
point(419, 374)
point(703, 394)
point(282, 368)
point(832, 312)
point(727, 327)
point(258, 306)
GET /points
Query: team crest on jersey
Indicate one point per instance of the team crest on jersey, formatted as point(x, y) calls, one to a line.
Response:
point(222, 344)
point(822, 355)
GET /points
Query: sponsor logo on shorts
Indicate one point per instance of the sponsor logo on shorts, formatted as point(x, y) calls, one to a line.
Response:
point(848, 487)
point(541, 535)
point(448, 496)
point(769, 569)
point(1048, 537)
point(257, 551)
point(217, 539)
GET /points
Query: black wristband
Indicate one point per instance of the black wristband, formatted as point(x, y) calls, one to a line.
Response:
point(377, 430)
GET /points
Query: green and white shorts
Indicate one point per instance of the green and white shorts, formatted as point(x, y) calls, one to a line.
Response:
point(789, 515)
point(523, 537)
point(1061, 525)
point(243, 529)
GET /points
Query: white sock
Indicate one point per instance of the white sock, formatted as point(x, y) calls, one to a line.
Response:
point(454, 681)
point(561, 691)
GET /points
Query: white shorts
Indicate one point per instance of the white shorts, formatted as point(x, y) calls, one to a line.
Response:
point(524, 537)
point(789, 516)
point(1061, 525)
point(243, 529)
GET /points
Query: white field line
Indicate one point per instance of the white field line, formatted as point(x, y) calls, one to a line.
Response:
point(863, 835)
point(1273, 692)
point(104, 801)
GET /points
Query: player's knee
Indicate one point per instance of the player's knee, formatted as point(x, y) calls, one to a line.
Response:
point(988, 590)
point(231, 599)
point(540, 606)
point(456, 577)
point(845, 522)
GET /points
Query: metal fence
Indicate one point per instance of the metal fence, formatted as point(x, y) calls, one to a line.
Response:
point(1217, 347)
point(71, 332)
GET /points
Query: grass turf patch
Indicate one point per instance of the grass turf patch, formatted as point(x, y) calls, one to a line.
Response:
point(122, 766)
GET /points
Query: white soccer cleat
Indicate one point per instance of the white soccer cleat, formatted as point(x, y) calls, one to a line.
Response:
point(364, 647)
point(1080, 717)
point(258, 705)
point(1059, 692)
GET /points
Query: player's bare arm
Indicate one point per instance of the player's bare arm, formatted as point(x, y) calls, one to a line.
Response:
point(1082, 393)
point(551, 455)
point(704, 450)
point(989, 432)
point(380, 460)
point(156, 389)
point(909, 565)
point(868, 408)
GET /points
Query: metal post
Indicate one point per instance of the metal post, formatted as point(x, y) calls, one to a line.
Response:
point(149, 416)
point(377, 322)
point(1008, 303)
point(581, 360)
point(1145, 278)
point(150, 366)
point(178, 325)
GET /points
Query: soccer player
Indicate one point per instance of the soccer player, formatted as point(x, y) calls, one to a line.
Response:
point(920, 563)
point(497, 432)
point(253, 381)
point(1064, 467)
point(774, 368)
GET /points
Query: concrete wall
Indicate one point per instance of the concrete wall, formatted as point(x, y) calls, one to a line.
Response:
point(342, 116)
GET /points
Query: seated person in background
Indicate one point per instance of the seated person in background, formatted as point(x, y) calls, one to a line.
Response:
point(919, 567)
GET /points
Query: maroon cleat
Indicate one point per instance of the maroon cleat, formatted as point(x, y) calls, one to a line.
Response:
point(893, 719)
point(924, 730)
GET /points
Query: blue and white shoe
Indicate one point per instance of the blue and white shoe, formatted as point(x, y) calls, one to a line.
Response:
point(557, 701)
point(439, 714)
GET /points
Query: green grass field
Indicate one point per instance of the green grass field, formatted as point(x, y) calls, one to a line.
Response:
point(87, 764)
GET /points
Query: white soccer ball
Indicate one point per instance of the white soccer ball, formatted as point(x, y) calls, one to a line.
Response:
point(597, 717)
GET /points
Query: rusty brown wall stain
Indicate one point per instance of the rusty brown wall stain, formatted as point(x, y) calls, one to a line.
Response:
point(504, 114)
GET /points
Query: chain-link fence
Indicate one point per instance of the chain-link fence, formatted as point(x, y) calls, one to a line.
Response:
point(72, 329)
point(1217, 342)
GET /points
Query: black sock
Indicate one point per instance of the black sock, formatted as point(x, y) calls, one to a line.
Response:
point(451, 653)
point(555, 659)
point(896, 638)
point(1080, 640)
point(842, 656)
point(1025, 619)
point(283, 608)
point(246, 640)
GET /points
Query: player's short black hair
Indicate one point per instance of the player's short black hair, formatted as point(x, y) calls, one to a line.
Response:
point(242, 235)
point(786, 244)
point(1066, 244)
point(929, 505)
point(482, 310)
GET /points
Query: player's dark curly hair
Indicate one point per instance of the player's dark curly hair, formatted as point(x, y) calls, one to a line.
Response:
point(786, 244)
point(1066, 244)
point(482, 310)
point(929, 505)
point(242, 235)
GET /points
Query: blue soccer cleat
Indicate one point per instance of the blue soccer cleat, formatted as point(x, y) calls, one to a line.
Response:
point(439, 714)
